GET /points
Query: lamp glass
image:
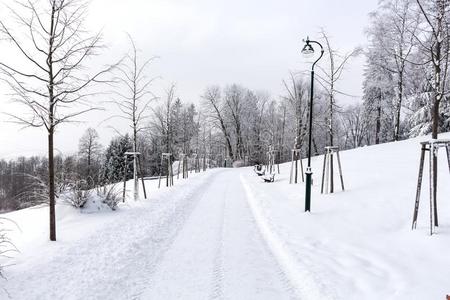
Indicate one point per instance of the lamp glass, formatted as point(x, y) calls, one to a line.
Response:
point(308, 51)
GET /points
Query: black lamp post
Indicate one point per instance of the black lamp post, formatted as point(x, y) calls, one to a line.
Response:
point(308, 50)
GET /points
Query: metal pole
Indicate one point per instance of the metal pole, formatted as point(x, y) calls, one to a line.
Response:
point(308, 168)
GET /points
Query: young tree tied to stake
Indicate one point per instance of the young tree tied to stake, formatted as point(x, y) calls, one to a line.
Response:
point(50, 81)
point(331, 76)
point(134, 99)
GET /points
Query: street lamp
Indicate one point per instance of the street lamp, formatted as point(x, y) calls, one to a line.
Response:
point(308, 51)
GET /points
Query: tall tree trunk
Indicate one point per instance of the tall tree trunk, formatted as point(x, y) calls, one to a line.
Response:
point(135, 163)
point(51, 183)
point(378, 122)
point(51, 121)
point(398, 106)
point(283, 127)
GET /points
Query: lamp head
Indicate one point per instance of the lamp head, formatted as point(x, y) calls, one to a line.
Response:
point(308, 50)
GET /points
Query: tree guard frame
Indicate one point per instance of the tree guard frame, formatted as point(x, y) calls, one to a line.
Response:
point(169, 176)
point(184, 166)
point(295, 158)
point(271, 154)
point(196, 163)
point(327, 170)
point(432, 148)
point(138, 167)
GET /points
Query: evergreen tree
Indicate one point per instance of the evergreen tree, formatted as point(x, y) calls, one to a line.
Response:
point(114, 165)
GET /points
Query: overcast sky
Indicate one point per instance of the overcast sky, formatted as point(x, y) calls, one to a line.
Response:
point(254, 43)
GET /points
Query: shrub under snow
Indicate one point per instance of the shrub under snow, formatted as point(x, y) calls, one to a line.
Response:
point(78, 193)
point(6, 245)
point(109, 195)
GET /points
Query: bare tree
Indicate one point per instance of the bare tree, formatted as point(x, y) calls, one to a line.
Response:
point(355, 124)
point(214, 107)
point(331, 76)
point(297, 98)
point(396, 25)
point(436, 45)
point(50, 38)
point(134, 98)
point(234, 100)
point(89, 150)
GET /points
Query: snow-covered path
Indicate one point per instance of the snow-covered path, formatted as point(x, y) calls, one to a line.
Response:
point(219, 253)
point(199, 241)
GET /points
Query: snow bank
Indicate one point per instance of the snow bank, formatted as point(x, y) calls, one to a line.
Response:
point(97, 250)
point(358, 244)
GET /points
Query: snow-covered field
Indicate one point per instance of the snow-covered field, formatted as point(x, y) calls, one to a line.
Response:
point(224, 234)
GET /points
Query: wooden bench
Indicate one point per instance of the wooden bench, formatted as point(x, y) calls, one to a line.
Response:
point(259, 170)
point(269, 177)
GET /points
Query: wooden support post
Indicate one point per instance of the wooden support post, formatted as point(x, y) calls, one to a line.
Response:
point(419, 187)
point(295, 160)
point(323, 170)
point(142, 177)
point(180, 161)
point(432, 147)
point(292, 167)
point(171, 170)
point(160, 172)
point(435, 177)
point(331, 172)
point(340, 170)
point(328, 170)
point(447, 148)
point(301, 166)
point(327, 173)
point(431, 189)
point(125, 179)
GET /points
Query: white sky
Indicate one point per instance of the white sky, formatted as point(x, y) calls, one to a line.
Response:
point(254, 43)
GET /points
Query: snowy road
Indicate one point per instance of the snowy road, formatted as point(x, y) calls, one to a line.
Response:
point(219, 253)
point(199, 242)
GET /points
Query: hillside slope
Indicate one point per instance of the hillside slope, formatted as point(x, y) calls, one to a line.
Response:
point(227, 234)
point(358, 244)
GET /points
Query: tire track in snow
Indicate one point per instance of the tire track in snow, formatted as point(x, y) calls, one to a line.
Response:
point(249, 269)
point(302, 281)
point(279, 270)
point(219, 253)
point(187, 271)
point(177, 221)
point(217, 291)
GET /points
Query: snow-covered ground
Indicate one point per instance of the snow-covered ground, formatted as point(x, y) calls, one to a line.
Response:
point(224, 234)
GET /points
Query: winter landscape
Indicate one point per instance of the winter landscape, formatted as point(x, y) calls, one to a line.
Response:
point(224, 149)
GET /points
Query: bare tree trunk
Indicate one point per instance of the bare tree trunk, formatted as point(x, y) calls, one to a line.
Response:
point(51, 121)
point(283, 129)
point(378, 122)
point(399, 105)
point(51, 185)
